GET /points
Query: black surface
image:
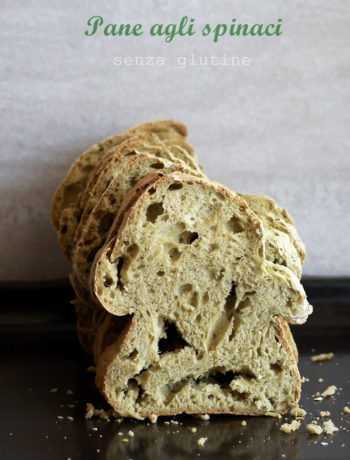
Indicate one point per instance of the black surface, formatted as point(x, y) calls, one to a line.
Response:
point(39, 351)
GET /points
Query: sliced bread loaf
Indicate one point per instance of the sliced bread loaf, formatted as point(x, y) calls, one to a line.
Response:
point(188, 264)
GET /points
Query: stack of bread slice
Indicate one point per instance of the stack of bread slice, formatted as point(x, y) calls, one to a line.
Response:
point(183, 289)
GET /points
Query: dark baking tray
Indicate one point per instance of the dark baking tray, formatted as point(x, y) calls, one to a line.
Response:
point(39, 351)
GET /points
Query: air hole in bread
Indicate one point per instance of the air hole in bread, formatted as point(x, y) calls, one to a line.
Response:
point(157, 165)
point(133, 250)
point(153, 211)
point(185, 289)
point(174, 254)
point(152, 190)
point(111, 200)
point(132, 354)
point(205, 298)
point(64, 229)
point(120, 263)
point(108, 281)
point(173, 340)
point(213, 247)
point(160, 273)
point(105, 223)
point(235, 225)
point(276, 367)
point(231, 299)
point(175, 186)
point(194, 299)
point(187, 237)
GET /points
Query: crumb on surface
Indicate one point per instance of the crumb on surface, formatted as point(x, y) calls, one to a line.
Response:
point(329, 427)
point(324, 443)
point(131, 433)
point(54, 390)
point(90, 410)
point(153, 418)
point(322, 357)
point(346, 410)
point(243, 423)
point(320, 380)
point(70, 392)
point(314, 429)
point(193, 429)
point(319, 398)
point(297, 412)
point(70, 418)
point(330, 391)
point(125, 440)
point(94, 428)
point(91, 369)
point(203, 416)
point(60, 417)
point(202, 441)
point(290, 427)
point(325, 413)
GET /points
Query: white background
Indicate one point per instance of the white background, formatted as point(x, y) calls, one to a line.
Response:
point(278, 126)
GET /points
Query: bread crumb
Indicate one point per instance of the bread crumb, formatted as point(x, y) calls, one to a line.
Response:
point(346, 410)
point(243, 423)
point(330, 391)
point(324, 443)
point(153, 418)
point(320, 380)
point(91, 369)
point(120, 433)
point(194, 429)
point(174, 422)
point(125, 440)
point(325, 413)
point(202, 441)
point(319, 398)
point(273, 414)
point(59, 417)
point(297, 412)
point(290, 427)
point(329, 427)
point(130, 433)
point(71, 406)
point(166, 422)
point(94, 428)
point(54, 390)
point(70, 418)
point(70, 392)
point(104, 415)
point(322, 357)
point(90, 410)
point(314, 429)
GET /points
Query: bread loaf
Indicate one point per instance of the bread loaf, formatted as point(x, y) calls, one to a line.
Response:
point(188, 264)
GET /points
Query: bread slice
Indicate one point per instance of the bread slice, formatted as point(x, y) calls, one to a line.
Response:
point(94, 237)
point(73, 218)
point(95, 228)
point(188, 264)
point(74, 183)
point(273, 217)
